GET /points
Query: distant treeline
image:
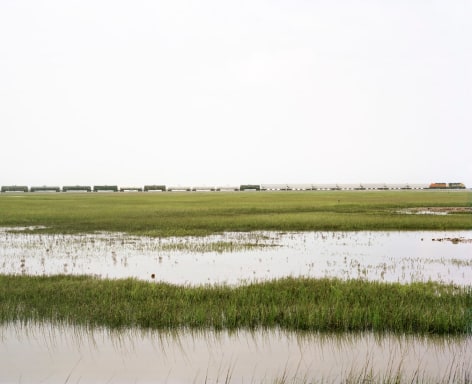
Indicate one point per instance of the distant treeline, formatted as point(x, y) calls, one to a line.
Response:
point(242, 187)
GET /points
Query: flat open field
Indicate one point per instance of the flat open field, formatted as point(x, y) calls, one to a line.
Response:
point(179, 214)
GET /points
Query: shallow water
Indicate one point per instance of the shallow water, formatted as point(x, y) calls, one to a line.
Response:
point(235, 258)
point(31, 353)
point(35, 353)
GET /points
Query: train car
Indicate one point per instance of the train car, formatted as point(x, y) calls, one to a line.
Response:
point(326, 187)
point(76, 188)
point(149, 188)
point(45, 188)
point(131, 189)
point(375, 186)
point(203, 188)
point(456, 186)
point(179, 188)
point(438, 186)
point(272, 187)
point(15, 188)
point(227, 188)
point(250, 187)
point(447, 186)
point(105, 188)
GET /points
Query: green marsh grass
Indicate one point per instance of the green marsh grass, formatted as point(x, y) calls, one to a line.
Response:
point(179, 214)
point(325, 305)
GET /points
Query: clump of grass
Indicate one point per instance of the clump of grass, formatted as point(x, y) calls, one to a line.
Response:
point(218, 247)
point(294, 304)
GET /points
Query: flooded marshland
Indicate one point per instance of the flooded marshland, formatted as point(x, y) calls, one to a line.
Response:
point(235, 258)
point(57, 353)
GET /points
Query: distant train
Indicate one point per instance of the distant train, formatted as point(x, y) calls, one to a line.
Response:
point(446, 186)
point(242, 187)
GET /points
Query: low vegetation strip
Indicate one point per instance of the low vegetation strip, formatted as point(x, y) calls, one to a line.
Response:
point(183, 214)
point(293, 304)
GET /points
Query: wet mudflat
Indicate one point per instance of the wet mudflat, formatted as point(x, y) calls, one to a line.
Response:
point(59, 354)
point(235, 258)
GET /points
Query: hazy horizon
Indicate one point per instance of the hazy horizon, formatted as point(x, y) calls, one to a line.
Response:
point(228, 93)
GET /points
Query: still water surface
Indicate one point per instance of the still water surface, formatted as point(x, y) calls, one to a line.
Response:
point(235, 258)
point(36, 353)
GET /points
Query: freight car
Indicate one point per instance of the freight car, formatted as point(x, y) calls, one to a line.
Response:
point(15, 188)
point(148, 188)
point(76, 188)
point(203, 188)
point(179, 188)
point(250, 187)
point(45, 188)
point(131, 189)
point(109, 188)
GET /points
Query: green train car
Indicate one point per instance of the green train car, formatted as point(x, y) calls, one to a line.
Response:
point(45, 188)
point(109, 188)
point(76, 188)
point(251, 187)
point(15, 188)
point(148, 188)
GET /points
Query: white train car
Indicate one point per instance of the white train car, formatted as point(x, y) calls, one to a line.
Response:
point(179, 188)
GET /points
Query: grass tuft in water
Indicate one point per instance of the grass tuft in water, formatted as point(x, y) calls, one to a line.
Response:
point(325, 305)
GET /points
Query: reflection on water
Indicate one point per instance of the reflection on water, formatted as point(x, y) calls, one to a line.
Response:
point(233, 258)
point(58, 354)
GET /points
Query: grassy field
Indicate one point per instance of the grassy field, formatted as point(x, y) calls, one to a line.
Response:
point(168, 214)
point(293, 304)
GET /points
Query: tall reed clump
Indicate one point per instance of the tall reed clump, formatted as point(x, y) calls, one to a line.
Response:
point(291, 303)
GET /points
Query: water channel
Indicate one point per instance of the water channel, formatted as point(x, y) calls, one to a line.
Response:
point(235, 258)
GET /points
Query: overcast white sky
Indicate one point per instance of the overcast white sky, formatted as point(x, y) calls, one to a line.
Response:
point(230, 92)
